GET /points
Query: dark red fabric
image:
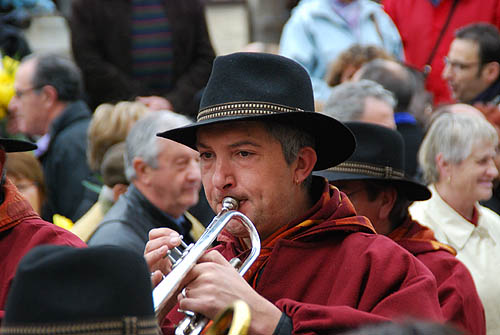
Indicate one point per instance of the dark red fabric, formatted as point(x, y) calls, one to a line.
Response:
point(419, 24)
point(475, 216)
point(21, 229)
point(458, 296)
point(337, 274)
point(322, 210)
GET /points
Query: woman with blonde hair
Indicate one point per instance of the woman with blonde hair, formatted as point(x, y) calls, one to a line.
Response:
point(109, 126)
point(457, 157)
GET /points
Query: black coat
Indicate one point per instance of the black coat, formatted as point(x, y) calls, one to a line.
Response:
point(129, 221)
point(65, 163)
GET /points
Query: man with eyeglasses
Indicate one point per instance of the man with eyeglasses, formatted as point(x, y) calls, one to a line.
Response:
point(47, 106)
point(472, 66)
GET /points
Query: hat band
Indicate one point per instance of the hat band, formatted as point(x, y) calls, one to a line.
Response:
point(371, 170)
point(243, 109)
point(127, 325)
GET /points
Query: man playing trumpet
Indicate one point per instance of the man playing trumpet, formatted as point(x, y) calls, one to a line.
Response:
point(321, 269)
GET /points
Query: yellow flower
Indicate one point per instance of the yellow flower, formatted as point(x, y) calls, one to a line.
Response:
point(62, 221)
point(7, 75)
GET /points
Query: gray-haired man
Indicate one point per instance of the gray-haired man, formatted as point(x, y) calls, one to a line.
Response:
point(164, 181)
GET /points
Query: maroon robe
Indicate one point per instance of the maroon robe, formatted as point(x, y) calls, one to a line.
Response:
point(21, 229)
point(458, 296)
point(337, 274)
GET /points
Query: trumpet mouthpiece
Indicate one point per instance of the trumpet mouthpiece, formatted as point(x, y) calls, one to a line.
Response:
point(230, 203)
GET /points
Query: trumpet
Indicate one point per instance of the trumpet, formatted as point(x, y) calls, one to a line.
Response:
point(234, 320)
point(184, 260)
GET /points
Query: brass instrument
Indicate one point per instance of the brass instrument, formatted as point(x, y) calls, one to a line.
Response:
point(193, 323)
point(234, 320)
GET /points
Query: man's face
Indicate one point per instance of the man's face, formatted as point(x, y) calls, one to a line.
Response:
point(176, 181)
point(27, 103)
point(378, 112)
point(243, 160)
point(463, 70)
point(355, 191)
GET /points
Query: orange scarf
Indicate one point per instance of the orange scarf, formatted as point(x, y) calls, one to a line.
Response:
point(417, 238)
point(333, 207)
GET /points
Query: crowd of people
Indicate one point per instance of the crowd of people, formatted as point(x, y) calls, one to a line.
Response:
point(364, 148)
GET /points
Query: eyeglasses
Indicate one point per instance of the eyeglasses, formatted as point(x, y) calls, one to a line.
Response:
point(456, 65)
point(20, 93)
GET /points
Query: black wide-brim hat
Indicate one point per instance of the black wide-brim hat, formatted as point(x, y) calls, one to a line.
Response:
point(12, 145)
point(66, 290)
point(266, 87)
point(379, 156)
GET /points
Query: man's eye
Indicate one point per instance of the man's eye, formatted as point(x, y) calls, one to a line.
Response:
point(205, 155)
point(244, 153)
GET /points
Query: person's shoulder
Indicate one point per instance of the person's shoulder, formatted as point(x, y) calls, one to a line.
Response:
point(43, 232)
point(377, 252)
point(111, 230)
point(374, 243)
point(117, 233)
point(489, 213)
point(491, 221)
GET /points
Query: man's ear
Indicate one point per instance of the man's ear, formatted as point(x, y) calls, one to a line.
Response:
point(387, 199)
point(50, 94)
point(142, 171)
point(491, 71)
point(304, 164)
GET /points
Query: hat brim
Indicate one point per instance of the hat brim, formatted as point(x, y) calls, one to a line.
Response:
point(12, 145)
point(411, 189)
point(327, 132)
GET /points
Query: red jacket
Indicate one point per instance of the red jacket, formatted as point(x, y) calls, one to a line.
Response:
point(21, 229)
point(338, 274)
point(458, 296)
point(419, 24)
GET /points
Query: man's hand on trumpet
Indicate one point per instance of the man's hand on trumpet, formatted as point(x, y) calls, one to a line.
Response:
point(212, 284)
point(160, 241)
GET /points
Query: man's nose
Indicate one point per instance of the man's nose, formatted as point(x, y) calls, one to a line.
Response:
point(193, 170)
point(13, 104)
point(223, 177)
point(447, 72)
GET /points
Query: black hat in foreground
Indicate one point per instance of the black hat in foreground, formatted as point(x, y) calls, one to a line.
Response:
point(11, 145)
point(380, 156)
point(266, 87)
point(65, 290)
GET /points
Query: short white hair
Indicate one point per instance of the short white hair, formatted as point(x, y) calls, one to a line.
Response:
point(347, 100)
point(453, 135)
point(143, 142)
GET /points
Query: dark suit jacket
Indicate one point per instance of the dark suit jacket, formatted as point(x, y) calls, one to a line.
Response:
point(101, 43)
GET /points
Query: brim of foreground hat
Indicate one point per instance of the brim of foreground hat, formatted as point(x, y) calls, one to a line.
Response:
point(328, 133)
point(413, 190)
point(11, 145)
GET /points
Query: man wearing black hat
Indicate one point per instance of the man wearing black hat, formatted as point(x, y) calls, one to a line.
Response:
point(373, 178)
point(321, 268)
point(21, 228)
point(65, 290)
